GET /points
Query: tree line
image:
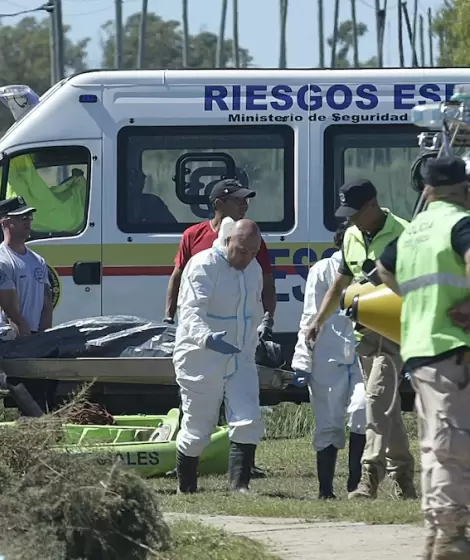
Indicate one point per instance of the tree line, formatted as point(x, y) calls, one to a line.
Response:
point(25, 47)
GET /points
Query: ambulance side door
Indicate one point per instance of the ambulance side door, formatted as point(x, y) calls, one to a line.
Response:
point(62, 180)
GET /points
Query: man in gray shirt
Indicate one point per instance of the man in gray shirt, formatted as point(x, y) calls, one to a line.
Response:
point(25, 292)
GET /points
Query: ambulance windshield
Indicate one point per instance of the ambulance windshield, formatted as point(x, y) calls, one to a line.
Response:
point(53, 179)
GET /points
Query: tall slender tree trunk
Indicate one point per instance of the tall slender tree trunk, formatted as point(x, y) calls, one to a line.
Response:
point(321, 34)
point(220, 58)
point(355, 45)
point(142, 35)
point(400, 35)
point(235, 45)
point(430, 38)
point(334, 42)
point(283, 5)
point(185, 34)
point(421, 42)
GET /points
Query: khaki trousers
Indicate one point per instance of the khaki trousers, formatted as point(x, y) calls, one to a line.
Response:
point(387, 447)
point(443, 406)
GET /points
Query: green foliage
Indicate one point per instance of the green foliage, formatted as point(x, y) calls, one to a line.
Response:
point(345, 44)
point(164, 45)
point(452, 26)
point(26, 52)
point(448, 29)
point(26, 57)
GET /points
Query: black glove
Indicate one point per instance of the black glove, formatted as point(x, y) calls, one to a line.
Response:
point(169, 321)
point(265, 330)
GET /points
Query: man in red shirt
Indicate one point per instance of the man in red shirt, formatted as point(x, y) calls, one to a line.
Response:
point(229, 198)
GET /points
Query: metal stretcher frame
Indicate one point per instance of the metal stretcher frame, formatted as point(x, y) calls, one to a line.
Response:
point(150, 371)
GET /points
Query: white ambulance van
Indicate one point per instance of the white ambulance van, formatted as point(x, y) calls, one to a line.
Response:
point(120, 163)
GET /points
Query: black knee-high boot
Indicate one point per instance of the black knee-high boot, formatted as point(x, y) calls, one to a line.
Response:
point(186, 469)
point(240, 463)
point(357, 443)
point(326, 465)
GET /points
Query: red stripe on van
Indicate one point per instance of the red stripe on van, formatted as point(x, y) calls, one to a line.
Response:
point(137, 270)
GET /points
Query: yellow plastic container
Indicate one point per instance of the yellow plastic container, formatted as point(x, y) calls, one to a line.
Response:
point(375, 307)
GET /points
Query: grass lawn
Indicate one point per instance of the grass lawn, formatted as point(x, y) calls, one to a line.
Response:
point(194, 541)
point(291, 487)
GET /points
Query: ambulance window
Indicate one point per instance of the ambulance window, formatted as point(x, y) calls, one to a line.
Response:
point(382, 153)
point(147, 156)
point(55, 181)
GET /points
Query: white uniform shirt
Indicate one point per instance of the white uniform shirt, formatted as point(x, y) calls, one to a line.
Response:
point(27, 274)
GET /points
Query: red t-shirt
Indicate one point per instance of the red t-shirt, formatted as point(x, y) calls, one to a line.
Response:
point(201, 236)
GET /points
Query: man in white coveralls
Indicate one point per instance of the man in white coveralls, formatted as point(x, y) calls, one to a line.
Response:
point(219, 310)
point(334, 378)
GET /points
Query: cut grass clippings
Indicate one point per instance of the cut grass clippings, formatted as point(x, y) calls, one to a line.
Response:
point(64, 506)
point(195, 541)
point(291, 487)
point(57, 506)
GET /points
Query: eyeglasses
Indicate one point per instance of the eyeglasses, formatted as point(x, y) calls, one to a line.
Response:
point(23, 217)
point(236, 200)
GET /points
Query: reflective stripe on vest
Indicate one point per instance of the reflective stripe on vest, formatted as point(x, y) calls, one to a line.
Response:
point(435, 279)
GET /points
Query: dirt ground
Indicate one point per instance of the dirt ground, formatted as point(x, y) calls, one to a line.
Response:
point(341, 540)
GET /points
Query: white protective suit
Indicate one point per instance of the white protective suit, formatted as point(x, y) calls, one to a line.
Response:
point(215, 297)
point(336, 377)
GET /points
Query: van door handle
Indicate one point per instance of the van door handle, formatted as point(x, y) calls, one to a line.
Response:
point(87, 273)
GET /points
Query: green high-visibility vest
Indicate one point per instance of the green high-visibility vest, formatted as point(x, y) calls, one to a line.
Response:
point(356, 250)
point(432, 279)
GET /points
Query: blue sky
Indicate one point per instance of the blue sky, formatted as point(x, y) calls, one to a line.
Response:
point(258, 24)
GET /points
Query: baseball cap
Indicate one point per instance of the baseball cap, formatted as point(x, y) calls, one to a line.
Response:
point(15, 207)
point(230, 188)
point(353, 196)
point(445, 171)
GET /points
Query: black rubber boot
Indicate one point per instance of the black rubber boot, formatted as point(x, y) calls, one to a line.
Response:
point(186, 469)
point(357, 443)
point(240, 464)
point(256, 472)
point(174, 472)
point(326, 464)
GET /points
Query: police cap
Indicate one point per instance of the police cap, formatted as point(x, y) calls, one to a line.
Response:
point(445, 171)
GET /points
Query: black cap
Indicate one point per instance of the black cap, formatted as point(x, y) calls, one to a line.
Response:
point(445, 171)
point(353, 196)
point(228, 188)
point(15, 207)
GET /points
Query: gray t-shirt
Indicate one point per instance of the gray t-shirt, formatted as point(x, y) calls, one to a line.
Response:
point(27, 274)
